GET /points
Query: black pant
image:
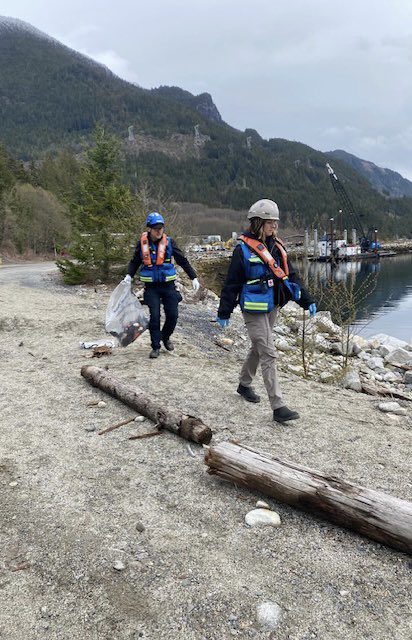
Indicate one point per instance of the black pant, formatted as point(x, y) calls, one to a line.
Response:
point(170, 298)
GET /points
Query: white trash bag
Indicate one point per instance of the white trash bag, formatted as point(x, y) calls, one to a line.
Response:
point(125, 316)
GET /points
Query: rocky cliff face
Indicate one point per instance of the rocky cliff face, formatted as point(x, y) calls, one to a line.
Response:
point(388, 182)
point(202, 103)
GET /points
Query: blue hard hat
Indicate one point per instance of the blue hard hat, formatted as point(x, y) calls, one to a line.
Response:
point(154, 218)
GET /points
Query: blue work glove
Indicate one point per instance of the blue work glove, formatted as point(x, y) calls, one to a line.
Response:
point(293, 288)
point(312, 310)
point(222, 323)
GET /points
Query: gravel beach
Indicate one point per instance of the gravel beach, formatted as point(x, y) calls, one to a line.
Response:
point(106, 538)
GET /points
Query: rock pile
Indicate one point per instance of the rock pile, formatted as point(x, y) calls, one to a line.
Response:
point(318, 349)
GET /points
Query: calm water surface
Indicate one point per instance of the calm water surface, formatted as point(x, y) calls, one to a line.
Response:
point(388, 308)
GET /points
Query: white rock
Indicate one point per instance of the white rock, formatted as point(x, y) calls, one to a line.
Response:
point(389, 342)
point(101, 404)
point(139, 419)
point(392, 407)
point(375, 362)
point(13, 484)
point(262, 517)
point(407, 378)
point(321, 343)
point(356, 348)
point(268, 615)
point(360, 342)
point(279, 329)
point(326, 325)
point(392, 377)
point(352, 381)
point(283, 345)
point(118, 565)
point(261, 504)
point(398, 356)
point(325, 376)
point(295, 368)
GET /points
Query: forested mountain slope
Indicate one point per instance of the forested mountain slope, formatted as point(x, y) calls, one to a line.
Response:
point(51, 98)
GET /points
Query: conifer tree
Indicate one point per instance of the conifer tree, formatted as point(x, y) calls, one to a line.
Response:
point(105, 220)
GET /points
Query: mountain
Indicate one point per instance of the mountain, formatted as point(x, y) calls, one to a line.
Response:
point(388, 182)
point(51, 98)
point(51, 95)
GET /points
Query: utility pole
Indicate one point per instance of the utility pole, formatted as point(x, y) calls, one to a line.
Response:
point(331, 238)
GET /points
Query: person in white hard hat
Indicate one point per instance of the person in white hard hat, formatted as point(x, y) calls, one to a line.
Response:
point(261, 279)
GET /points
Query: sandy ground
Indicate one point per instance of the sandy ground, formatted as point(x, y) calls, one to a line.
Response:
point(73, 503)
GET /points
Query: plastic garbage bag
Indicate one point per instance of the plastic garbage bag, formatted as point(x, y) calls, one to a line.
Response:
point(125, 318)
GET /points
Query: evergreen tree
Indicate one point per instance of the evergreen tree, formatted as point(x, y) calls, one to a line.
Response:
point(105, 220)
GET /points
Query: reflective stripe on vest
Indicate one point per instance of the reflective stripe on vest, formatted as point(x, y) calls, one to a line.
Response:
point(145, 247)
point(264, 254)
point(256, 306)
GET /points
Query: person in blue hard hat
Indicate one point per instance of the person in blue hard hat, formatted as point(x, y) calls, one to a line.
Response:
point(154, 255)
point(261, 279)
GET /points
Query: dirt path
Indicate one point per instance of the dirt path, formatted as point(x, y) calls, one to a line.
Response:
point(75, 505)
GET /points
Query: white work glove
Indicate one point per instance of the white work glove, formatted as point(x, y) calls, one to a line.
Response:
point(195, 284)
point(127, 279)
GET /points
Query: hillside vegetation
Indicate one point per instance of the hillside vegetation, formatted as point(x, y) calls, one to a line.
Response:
point(52, 98)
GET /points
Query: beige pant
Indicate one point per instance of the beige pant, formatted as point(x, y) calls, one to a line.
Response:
point(260, 330)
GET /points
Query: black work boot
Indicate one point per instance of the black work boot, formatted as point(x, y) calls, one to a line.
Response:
point(154, 353)
point(248, 394)
point(283, 414)
point(168, 344)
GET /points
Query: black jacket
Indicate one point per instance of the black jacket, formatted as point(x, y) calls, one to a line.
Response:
point(177, 254)
point(236, 278)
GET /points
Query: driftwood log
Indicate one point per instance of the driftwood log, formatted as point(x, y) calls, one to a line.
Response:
point(185, 426)
point(387, 393)
point(371, 513)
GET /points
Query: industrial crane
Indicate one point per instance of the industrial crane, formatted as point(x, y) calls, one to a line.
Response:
point(366, 241)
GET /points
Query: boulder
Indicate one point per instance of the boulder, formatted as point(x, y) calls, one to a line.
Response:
point(392, 407)
point(399, 356)
point(407, 378)
point(352, 381)
point(389, 342)
point(326, 325)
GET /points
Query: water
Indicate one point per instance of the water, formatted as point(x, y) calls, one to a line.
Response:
point(388, 307)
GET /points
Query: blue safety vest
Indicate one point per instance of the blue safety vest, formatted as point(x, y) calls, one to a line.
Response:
point(165, 272)
point(257, 293)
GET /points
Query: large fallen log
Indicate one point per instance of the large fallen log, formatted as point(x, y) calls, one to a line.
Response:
point(188, 427)
point(371, 513)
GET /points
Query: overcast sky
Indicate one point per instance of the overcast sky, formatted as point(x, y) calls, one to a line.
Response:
point(333, 74)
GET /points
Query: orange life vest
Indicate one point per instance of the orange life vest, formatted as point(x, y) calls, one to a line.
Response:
point(264, 254)
point(145, 246)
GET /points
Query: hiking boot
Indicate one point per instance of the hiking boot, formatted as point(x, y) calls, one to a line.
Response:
point(283, 414)
point(154, 353)
point(248, 394)
point(168, 345)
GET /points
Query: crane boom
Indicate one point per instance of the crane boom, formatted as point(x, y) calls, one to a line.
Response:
point(347, 205)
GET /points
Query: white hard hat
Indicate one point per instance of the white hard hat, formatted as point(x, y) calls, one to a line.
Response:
point(264, 209)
